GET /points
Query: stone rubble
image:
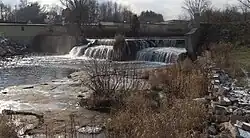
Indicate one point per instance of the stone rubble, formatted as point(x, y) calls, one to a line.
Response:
point(11, 48)
point(230, 107)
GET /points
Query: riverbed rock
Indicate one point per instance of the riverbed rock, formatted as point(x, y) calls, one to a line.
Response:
point(222, 118)
point(91, 129)
point(212, 130)
point(235, 118)
point(2, 51)
point(233, 100)
point(240, 112)
point(243, 125)
point(224, 101)
point(11, 48)
point(220, 110)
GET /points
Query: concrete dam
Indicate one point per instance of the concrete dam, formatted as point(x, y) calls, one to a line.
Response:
point(59, 39)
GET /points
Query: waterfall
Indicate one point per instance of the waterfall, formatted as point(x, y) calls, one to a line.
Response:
point(99, 52)
point(163, 54)
point(161, 50)
point(78, 51)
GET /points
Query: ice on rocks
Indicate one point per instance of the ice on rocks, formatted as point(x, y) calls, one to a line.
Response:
point(90, 129)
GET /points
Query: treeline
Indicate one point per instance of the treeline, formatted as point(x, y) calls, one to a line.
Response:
point(239, 12)
point(150, 17)
point(92, 11)
point(231, 13)
point(84, 11)
point(30, 12)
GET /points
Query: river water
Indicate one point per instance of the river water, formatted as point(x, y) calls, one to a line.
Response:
point(41, 83)
point(18, 74)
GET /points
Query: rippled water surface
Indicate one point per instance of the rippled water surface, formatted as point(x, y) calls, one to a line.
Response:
point(36, 70)
point(39, 69)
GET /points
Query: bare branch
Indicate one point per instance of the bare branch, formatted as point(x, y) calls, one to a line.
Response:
point(196, 6)
point(246, 3)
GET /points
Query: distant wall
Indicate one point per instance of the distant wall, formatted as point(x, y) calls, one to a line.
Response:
point(43, 39)
point(50, 43)
point(24, 33)
point(146, 30)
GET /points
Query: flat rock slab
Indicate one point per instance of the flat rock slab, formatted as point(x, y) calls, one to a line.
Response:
point(56, 100)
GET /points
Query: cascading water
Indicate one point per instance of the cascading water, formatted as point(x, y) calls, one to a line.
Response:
point(166, 54)
point(99, 52)
point(78, 51)
point(103, 49)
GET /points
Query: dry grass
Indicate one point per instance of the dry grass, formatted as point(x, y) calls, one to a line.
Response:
point(241, 55)
point(222, 56)
point(139, 120)
point(7, 130)
point(180, 83)
point(175, 115)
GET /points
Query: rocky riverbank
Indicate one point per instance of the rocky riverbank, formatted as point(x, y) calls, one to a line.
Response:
point(12, 48)
point(56, 105)
point(230, 107)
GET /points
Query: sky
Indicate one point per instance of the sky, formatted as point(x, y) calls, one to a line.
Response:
point(171, 9)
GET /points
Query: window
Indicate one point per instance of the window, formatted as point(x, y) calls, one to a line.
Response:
point(22, 28)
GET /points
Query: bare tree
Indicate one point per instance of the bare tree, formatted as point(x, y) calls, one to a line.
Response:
point(111, 81)
point(231, 13)
point(53, 14)
point(244, 10)
point(23, 3)
point(244, 6)
point(78, 8)
point(78, 13)
point(246, 3)
point(114, 12)
point(127, 14)
point(196, 6)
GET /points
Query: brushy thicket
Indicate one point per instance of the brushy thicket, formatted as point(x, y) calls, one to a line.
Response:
point(173, 115)
point(168, 109)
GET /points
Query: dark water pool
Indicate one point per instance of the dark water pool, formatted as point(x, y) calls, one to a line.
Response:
point(31, 75)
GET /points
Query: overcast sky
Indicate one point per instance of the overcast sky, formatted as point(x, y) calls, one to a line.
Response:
point(169, 8)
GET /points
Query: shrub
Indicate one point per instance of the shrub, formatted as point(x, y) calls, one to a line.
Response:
point(110, 82)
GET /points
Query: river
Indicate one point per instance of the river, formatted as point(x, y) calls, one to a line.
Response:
point(40, 83)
